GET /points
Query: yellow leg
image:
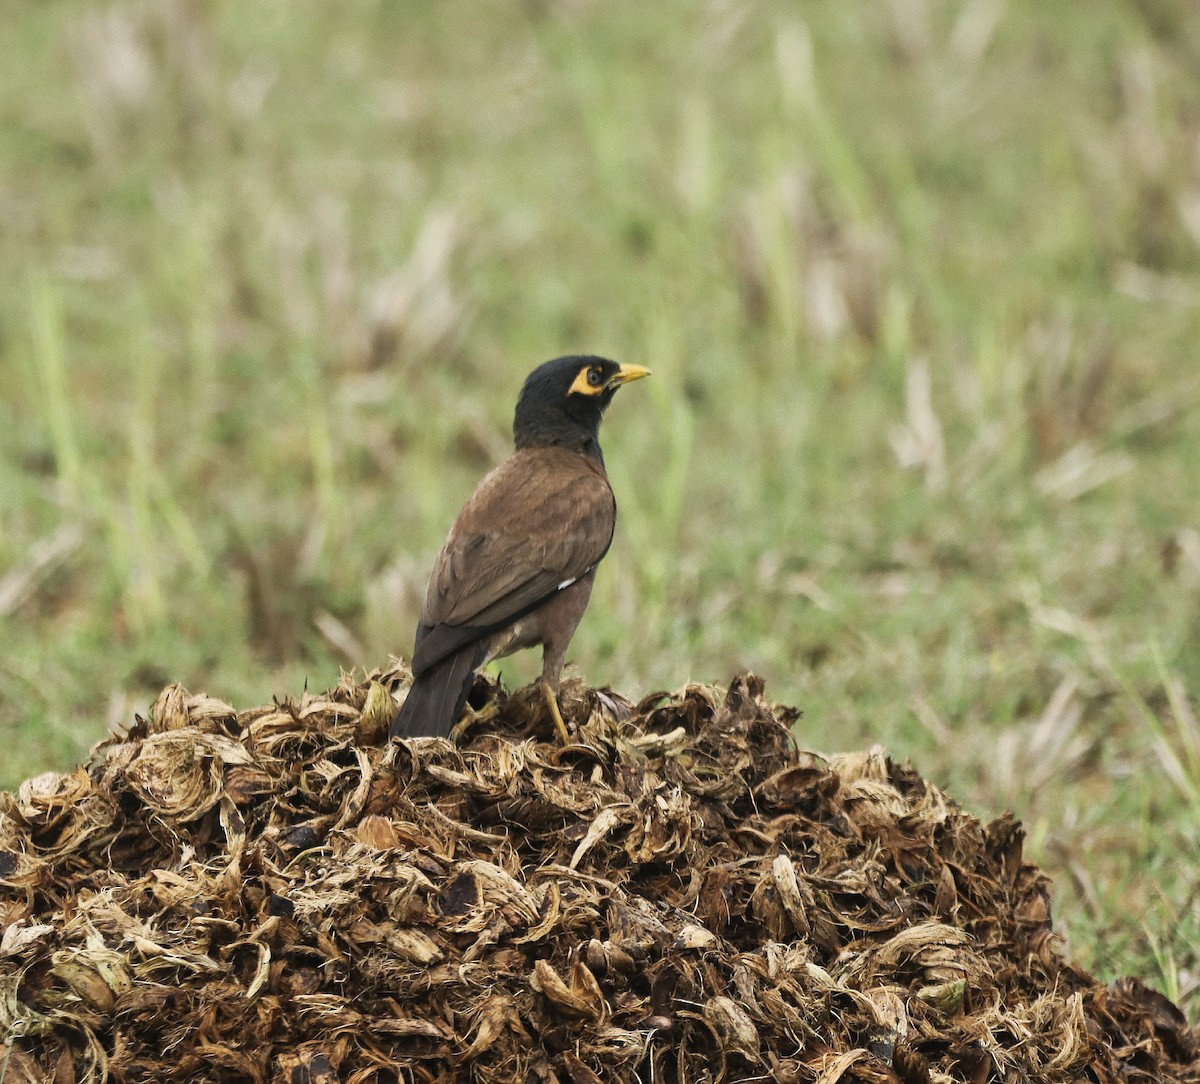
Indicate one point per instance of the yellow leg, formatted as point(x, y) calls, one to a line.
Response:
point(552, 703)
point(470, 717)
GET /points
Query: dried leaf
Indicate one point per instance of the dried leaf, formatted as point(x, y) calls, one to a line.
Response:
point(680, 894)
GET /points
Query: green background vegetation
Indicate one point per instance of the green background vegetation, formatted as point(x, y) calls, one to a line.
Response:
point(919, 282)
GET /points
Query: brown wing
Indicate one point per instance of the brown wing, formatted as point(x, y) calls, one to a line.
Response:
point(533, 526)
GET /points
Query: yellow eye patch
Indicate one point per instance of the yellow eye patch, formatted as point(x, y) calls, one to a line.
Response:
point(590, 381)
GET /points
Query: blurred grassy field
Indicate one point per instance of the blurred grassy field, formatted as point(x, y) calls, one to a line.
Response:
point(919, 282)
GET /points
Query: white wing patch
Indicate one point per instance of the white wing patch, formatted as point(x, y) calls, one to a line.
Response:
point(567, 583)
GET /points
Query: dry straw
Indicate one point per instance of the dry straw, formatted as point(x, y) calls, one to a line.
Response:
point(680, 895)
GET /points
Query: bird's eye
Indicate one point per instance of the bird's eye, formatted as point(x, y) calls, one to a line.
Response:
point(594, 377)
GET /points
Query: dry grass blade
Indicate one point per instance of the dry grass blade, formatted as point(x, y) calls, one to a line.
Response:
point(17, 585)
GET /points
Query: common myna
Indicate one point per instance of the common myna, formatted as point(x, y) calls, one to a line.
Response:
point(517, 567)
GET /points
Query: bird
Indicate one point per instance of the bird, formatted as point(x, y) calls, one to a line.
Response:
point(517, 567)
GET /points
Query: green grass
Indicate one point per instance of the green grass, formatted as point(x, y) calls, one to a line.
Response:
point(918, 282)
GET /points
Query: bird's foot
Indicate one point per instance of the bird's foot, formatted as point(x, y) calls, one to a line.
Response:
point(555, 714)
point(470, 717)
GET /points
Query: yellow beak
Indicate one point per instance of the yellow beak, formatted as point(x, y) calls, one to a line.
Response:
point(627, 373)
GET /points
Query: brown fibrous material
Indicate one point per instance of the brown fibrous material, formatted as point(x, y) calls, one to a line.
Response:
point(679, 895)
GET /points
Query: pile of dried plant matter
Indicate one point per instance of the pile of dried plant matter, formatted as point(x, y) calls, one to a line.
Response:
point(680, 895)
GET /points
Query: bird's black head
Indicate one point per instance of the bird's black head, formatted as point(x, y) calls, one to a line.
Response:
point(563, 401)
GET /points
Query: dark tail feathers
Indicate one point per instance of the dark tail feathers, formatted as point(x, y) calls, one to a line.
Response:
point(437, 696)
